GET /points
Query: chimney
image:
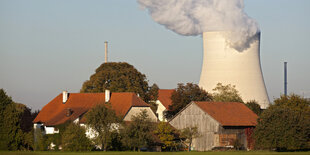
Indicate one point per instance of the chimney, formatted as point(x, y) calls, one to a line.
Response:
point(64, 97)
point(107, 95)
point(285, 78)
point(106, 52)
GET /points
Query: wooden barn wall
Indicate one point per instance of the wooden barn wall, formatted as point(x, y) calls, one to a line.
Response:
point(239, 131)
point(207, 126)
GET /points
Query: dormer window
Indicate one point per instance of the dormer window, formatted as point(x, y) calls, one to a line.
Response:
point(69, 112)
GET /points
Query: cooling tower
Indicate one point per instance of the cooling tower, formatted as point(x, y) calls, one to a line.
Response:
point(223, 64)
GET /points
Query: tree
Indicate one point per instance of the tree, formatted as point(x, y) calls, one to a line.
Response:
point(166, 134)
point(189, 134)
point(15, 124)
point(153, 97)
point(226, 93)
point(138, 133)
point(117, 77)
point(254, 107)
point(5, 100)
point(39, 141)
point(104, 121)
point(183, 95)
point(284, 125)
point(74, 139)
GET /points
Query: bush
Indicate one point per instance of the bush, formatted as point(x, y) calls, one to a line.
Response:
point(74, 139)
point(284, 125)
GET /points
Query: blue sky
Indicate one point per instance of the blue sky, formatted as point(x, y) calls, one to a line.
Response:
point(47, 46)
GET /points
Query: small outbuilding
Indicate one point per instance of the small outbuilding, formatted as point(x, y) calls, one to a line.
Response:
point(220, 124)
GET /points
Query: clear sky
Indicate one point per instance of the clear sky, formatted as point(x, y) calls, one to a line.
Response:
point(47, 46)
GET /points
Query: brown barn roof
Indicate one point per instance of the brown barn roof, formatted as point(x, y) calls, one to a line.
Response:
point(55, 111)
point(164, 96)
point(229, 113)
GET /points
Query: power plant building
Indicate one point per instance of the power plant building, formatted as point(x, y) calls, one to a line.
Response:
point(224, 64)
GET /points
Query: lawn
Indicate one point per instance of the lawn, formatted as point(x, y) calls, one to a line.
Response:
point(157, 153)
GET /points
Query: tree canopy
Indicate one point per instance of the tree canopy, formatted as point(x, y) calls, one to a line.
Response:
point(284, 125)
point(226, 93)
point(254, 106)
point(185, 94)
point(14, 132)
point(166, 134)
point(117, 77)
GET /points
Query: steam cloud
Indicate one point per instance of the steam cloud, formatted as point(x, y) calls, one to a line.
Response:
point(192, 17)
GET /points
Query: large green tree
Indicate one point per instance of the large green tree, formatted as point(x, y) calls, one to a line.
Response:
point(14, 124)
point(5, 100)
point(183, 95)
point(118, 77)
point(104, 121)
point(285, 125)
point(138, 133)
point(226, 93)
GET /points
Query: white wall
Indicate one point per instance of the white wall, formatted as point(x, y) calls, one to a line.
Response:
point(160, 111)
point(136, 110)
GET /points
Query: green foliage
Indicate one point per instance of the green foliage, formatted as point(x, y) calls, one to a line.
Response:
point(138, 133)
point(15, 124)
point(183, 95)
point(254, 107)
point(5, 100)
point(117, 77)
point(166, 134)
point(40, 143)
point(293, 102)
point(104, 121)
point(285, 125)
point(189, 134)
point(226, 93)
point(153, 97)
point(154, 92)
point(13, 129)
point(74, 139)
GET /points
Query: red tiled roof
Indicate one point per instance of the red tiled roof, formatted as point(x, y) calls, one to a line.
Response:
point(229, 113)
point(122, 102)
point(164, 96)
point(54, 112)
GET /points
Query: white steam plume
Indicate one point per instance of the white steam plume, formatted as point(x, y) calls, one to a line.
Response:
point(192, 17)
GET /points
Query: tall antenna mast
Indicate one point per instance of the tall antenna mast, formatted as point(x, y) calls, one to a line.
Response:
point(106, 52)
point(285, 78)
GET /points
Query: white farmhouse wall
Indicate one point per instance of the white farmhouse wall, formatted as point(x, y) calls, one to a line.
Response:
point(50, 130)
point(136, 110)
point(160, 111)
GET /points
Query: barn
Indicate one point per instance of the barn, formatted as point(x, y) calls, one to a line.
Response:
point(220, 124)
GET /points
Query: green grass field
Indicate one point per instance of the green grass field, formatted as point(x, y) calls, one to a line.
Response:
point(157, 153)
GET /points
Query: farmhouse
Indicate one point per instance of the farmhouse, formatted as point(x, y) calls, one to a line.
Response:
point(220, 124)
point(163, 102)
point(72, 107)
